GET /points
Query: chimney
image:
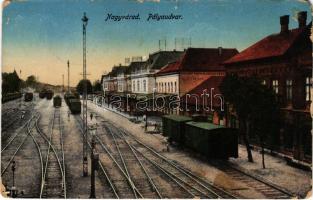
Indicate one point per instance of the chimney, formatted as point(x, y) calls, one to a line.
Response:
point(302, 19)
point(284, 21)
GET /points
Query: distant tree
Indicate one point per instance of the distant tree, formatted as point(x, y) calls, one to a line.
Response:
point(31, 81)
point(10, 82)
point(97, 86)
point(80, 87)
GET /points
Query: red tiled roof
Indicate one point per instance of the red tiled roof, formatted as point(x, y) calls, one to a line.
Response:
point(171, 67)
point(207, 85)
point(271, 46)
point(200, 59)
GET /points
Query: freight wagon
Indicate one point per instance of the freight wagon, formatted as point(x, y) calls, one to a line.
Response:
point(67, 97)
point(74, 106)
point(174, 128)
point(42, 94)
point(57, 101)
point(11, 96)
point(196, 133)
point(49, 94)
point(210, 140)
point(28, 96)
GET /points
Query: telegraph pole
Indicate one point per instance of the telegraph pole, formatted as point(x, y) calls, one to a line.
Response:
point(85, 126)
point(68, 76)
point(62, 82)
point(21, 89)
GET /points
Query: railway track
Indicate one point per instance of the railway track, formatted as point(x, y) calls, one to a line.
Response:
point(269, 190)
point(14, 145)
point(9, 118)
point(102, 171)
point(188, 184)
point(53, 182)
point(158, 171)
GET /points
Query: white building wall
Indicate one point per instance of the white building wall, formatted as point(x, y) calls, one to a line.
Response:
point(168, 84)
point(142, 85)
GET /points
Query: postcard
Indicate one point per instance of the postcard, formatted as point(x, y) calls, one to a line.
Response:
point(153, 99)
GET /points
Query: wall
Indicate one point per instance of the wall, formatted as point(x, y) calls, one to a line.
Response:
point(171, 79)
point(190, 80)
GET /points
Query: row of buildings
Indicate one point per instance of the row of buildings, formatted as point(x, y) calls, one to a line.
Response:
point(282, 60)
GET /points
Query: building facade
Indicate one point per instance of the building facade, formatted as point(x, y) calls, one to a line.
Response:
point(283, 61)
point(193, 72)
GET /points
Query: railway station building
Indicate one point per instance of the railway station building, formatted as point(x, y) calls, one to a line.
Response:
point(283, 61)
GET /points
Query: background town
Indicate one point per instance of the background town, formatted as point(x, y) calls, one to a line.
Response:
point(92, 141)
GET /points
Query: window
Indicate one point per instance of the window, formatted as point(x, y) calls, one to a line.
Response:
point(164, 87)
point(138, 85)
point(175, 87)
point(289, 90)
point(144, 85)
point(308, 84)
point(134, 84)
point(168, 87)
point(171, 87)
point(263, 82)
point(275, 86)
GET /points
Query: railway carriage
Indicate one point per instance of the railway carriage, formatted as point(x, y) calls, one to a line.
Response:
point(174, 128)
point(74, 106)
point(11, 96)
point(49, 94)
point(28, 96)
point(211, 140)
point(42, 94)
point(196, 133)
point(57, 101)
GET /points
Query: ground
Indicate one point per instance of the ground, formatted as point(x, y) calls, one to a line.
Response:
point(296, 181)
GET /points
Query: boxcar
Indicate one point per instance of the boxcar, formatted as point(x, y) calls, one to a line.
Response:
point(42, 94)
point(210, 140)
point(11, 96)
point(57, 101)
point(174, 128)
point(28, 96)
point(49, 94)
point(74, 106)
point(68, 97)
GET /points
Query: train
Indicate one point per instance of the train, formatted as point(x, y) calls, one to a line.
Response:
point(57, 101)
point(73, 102)
point(42, 93)
point(49, 94)
point(28, 96)
point(11, 96)
point(75, 106)
point(199, 135)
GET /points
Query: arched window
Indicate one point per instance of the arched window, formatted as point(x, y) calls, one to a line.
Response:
point(138, 85)
point(172, 87)
point(144, 85)
point(175, 87)
point(165, 88)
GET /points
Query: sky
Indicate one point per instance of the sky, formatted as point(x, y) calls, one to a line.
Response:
point(39, 36)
